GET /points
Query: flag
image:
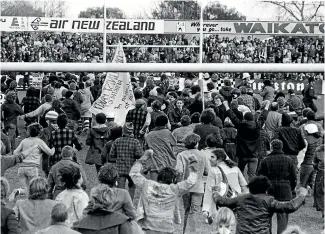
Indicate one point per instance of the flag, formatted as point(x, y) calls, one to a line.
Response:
point(117, 94)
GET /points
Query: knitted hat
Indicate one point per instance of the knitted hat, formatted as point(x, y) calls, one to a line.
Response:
point(286, 119)
point(51, 115)
point(50, 90)
point(248, 116)
point(128, 129)
point(139, 103)
point(73, 86)
point(277, 144)
point(101, 118)
point(281, 101)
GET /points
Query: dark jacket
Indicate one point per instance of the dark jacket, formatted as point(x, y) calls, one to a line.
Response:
point(175, 116)
point(248, 134)
point(100, 220)
point(54, 178)
point(254, 212)
point(195, 106)
point(309, 94)
point(95, 91)
point(9, 222)
point(281, 171)
point(292, 139)
point(96, 139)
point(203, 130)
point(225, 91)
point(138, 117)
point(71, 109)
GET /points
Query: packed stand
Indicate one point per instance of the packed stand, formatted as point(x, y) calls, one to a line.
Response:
point(173, 153)
point(73, 47)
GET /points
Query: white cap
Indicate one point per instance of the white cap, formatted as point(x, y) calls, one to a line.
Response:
point(246, 75)
point(311, 128)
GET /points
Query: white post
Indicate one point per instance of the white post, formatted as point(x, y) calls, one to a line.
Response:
point(201, 51)
point(104, 41)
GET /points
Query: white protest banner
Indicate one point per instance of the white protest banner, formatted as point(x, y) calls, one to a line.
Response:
point(2, 98)
point(35, 79)
point(117, 94)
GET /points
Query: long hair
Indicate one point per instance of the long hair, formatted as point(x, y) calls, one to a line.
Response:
point(222, 155)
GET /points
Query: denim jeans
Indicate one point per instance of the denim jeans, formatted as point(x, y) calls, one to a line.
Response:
point(122, 184)
point(306, 171)
point(251, 166)
point(25, 175)
point(11, 131)
point(282, 222)
point(192, 206)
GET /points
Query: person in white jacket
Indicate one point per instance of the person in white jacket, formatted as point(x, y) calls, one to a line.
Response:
point(219, 160)
point(28, 169)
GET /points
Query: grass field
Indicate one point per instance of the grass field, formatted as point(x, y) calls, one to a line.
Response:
point(306, 217)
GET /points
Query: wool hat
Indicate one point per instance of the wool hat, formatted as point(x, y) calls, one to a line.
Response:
point(248, 116)
point(153, 92)
point(50, 90)
point(51, 115)
point(101, 118)
point(73, 86)
point(277, 144)
point(281, 101)
point(286, 119)
point(128, 129)
point(139, 103)
point(311, 128)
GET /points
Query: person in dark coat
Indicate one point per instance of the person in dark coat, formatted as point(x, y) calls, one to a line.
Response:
point(225, 90)
point(281, 171)
point(309, 94)
point(176, 114)
point(9, 222)
point(254, 210)
point(71, 109)
point(291, 137)
point(97, 137)
point(96, 89)
point(206, 128)
point(248, 138)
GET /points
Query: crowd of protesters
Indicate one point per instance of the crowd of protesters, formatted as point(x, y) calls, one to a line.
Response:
point(73, 47)
point(173, 147)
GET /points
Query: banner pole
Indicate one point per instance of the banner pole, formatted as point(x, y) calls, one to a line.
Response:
point(104, 40)
point(201, 50)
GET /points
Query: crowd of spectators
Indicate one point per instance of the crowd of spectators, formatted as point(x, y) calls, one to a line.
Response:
point(75, 47)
